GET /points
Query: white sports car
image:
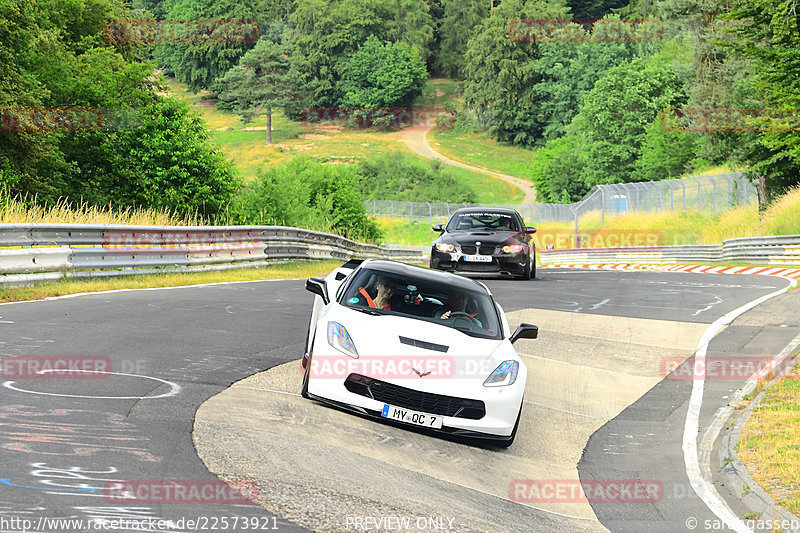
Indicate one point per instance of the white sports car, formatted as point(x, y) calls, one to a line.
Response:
point(415, 346)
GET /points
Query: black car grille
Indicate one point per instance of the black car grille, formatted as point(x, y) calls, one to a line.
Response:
point(470, 249)
point(425, 402)
point(466, 266)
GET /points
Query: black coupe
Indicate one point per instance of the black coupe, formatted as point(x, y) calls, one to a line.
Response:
point(481, 241)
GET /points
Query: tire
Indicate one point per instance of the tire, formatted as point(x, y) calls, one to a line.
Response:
point(306, 375)
point(526, 273)
point(510, 440)
point(533, 267)
point(307, 372)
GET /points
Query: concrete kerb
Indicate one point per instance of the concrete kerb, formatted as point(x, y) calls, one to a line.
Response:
point(734, 473)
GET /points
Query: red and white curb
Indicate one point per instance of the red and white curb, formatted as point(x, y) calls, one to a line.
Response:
point(793, 273)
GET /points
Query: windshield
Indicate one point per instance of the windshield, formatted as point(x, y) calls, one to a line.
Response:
point(484, 221)
point(378, 292)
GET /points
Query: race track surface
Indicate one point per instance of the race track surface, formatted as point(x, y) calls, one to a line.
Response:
point(597, 408)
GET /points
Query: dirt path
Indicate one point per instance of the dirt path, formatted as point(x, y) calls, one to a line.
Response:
point(417, 142)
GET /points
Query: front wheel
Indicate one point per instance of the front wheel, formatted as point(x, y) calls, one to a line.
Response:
point(306, 376)
point(526, 272)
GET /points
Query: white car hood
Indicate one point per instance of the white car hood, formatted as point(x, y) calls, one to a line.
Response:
point(380, 336)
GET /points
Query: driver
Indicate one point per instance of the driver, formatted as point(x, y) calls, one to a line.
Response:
point(457, 302)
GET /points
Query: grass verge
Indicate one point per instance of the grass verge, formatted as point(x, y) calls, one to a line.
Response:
point(480, 150)
point(291, 270)
point(769, 445)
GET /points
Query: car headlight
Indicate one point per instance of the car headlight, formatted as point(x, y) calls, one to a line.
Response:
point(340, 339)
point(444, 247)
point(503, 375)
point(513, 248)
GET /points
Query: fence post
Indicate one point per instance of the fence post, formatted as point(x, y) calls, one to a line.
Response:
point(714, 182)
point(602, 206)
point(699, 205)
point(575, 214)
point(730, 188)
point(430, 213)
point(684, 193)
point(671, 196)
point(392, 202)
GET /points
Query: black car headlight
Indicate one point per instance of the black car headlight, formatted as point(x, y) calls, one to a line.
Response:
point(445, 247)
point(513, 248)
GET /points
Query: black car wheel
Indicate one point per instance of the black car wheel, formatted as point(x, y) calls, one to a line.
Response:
point(526, 272)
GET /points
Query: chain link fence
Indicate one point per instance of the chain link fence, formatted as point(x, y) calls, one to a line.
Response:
point(715, 193)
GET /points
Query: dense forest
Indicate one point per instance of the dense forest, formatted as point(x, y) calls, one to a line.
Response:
point(596, 107)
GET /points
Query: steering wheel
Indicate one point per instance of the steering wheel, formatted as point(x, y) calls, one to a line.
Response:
point(461, 313)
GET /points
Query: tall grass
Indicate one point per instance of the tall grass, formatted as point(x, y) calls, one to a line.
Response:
point(25, 210)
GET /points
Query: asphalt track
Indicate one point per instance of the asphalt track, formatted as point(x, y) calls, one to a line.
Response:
point(601, 409)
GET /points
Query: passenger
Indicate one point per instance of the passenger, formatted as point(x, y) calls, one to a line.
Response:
point(384, 289)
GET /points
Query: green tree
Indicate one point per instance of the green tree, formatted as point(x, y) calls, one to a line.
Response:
point(328, 33)
point(500, 72)
point(382, 75)
point(617, 111)
point(306, 193)
point(665, 153)
point(263, 80)
point(557, 170)
point(767, 32)
point(199, 64)
point(457, 25)
point(162, 159)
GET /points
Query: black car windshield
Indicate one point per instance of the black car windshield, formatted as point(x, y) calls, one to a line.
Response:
point(483, 221)
point(377, 292)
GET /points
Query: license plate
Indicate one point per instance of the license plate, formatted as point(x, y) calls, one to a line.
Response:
point(412, 417)
point(478, 258)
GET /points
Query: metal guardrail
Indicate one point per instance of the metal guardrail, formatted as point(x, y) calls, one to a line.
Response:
point(777, 250)
point(32, 252)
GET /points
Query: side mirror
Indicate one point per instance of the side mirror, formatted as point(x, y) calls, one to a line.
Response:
point(438, 227)
point(524, 331)
point(319, 287)
point(530, 230)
